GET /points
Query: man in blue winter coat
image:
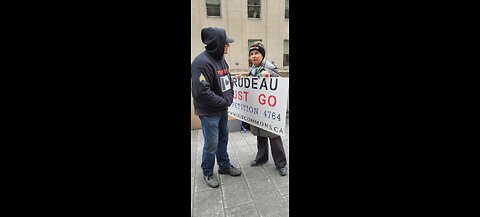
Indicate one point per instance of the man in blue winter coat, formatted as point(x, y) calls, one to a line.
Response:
point(212, 93)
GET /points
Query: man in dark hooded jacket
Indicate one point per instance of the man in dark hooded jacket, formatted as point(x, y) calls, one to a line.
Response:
point(212, 95)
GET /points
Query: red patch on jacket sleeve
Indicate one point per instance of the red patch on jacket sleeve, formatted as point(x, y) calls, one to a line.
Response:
point(222, 72)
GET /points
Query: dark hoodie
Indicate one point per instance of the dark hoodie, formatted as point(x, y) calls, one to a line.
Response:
point(212, 90)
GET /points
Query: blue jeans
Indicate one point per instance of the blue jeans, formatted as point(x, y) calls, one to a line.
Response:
point(215, 135)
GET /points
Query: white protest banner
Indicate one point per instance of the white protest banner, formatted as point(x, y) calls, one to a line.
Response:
point(261, 102)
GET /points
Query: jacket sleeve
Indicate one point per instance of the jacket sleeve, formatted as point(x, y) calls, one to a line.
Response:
point(273, 72)
point(272, 69)
point(201, 91)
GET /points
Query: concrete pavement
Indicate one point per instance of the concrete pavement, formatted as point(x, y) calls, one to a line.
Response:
point(259, 191)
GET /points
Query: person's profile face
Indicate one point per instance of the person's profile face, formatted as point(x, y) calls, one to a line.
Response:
point(225, 50)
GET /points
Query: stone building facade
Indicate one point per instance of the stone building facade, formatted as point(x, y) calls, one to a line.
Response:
point(246, 21)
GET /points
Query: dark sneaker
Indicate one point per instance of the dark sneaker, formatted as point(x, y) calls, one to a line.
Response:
point(283, 171)
point(211, 181)
point(256, 163)
point(231, 171)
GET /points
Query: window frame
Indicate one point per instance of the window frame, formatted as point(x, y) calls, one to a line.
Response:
point(259, 6)
point(211, 5)
point(286, 55)
point(287, 10)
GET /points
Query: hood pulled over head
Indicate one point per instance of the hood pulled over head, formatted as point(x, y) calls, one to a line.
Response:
point(215, 39)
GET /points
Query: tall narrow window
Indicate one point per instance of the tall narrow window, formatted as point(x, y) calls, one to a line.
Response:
point(286, 52)
point(250, 42)
point(287, 10)
point(253, 8)
point(213, 8)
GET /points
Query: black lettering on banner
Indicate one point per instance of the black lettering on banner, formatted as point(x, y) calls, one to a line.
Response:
point(264, 84)
point(254, 82)
point(247, 82)
point(234, 79)
point(258, 123)
point(276, 84)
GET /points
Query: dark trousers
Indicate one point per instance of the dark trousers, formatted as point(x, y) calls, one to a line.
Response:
point(278, 152)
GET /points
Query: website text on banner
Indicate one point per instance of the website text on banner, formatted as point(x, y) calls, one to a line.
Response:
point(261, 102)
